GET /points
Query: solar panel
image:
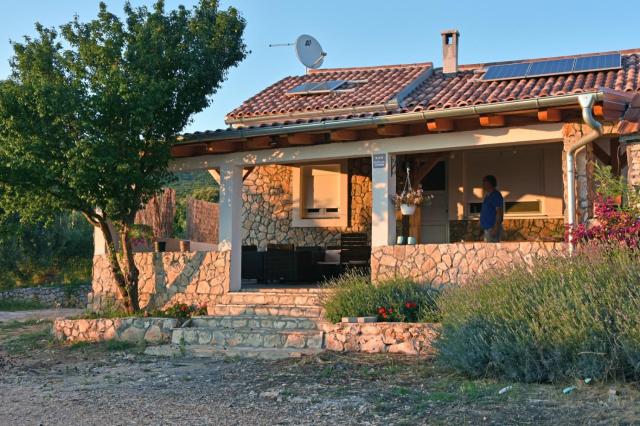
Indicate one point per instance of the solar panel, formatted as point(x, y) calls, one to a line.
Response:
point(316, 87)
point(304, 87)
point(505, 72)
point(552, 67)
point(598, 62)
point(328, 85)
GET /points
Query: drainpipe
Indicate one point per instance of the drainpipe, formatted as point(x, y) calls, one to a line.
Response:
point(586, 102)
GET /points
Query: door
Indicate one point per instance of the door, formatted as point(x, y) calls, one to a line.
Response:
point(435, 216)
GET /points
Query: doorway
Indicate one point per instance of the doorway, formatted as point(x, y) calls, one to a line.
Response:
point(434, 220)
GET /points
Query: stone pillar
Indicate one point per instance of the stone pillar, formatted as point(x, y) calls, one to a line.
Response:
point(230, 220)
point(383, 185)
point(584, 168)
point(633, 161)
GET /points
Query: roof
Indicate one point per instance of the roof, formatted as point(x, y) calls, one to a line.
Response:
point(372, 89)
point(411, 88)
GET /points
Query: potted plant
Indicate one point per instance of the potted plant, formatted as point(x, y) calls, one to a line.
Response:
point(409, 199)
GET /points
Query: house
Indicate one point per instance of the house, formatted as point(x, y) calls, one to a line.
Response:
point(308, 166)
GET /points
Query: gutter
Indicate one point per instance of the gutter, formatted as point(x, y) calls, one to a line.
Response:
point(586, 103)
point(322, 126)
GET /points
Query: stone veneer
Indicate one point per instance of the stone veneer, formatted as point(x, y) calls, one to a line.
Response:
point(268, 208)
point(166, 279)
point(150, 330)
point(69, 296)
point(452, 263)
point(514, 230)
point(404, 338)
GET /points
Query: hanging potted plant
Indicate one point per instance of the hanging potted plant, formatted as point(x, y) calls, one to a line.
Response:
point(410, 198)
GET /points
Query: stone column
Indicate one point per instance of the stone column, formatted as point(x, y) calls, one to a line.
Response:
point(230, 221)
point(383, 185)
point(584, 168)
point(633, 161)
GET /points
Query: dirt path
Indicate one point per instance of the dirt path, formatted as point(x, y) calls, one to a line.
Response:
point(43, 383)
point(38, 314)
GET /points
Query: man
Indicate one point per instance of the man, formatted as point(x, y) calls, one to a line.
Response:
point(492, 211)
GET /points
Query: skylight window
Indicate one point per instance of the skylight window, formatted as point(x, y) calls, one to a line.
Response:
point(317, 87)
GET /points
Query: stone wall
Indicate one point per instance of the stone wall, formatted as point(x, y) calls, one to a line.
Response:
point(166, 279)
point(70, 296)
point(405, 338)
point(134, 330)
point(268, 208)
point(452, 263)
point(584, 168)
point(514, 230)
point(633, 161)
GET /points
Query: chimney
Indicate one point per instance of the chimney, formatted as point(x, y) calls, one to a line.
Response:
point(450, 40)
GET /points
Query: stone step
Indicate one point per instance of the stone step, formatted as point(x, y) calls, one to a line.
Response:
point(260, 310)
point(271, 298)
point(248, 338)
point(256, 322)
point(206, 351)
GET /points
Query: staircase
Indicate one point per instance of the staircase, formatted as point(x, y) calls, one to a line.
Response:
point(263, 323)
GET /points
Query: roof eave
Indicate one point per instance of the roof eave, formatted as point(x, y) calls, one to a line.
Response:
point(457, 112)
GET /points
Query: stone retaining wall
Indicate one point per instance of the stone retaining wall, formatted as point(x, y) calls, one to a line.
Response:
point(71, 296)
point(452, 263)
point(166, 279)
point(134, 330)
point(404, 338)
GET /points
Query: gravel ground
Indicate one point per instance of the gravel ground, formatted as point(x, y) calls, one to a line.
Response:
point(49, 314)
point(43, 383)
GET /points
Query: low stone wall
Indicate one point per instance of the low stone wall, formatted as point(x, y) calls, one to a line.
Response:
point(453, 263)
point(150, 330)
point(166, 279)
point(403, 338)
point(71, 296)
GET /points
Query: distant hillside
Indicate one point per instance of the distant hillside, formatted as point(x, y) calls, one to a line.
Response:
point(187, 182)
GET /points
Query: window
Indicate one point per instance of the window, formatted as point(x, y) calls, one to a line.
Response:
point(321, 190)
point(320, 195)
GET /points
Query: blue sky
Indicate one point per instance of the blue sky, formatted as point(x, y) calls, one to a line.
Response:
point(361, 33)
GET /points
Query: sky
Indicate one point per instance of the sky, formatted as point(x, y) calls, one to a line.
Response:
point(365, 33)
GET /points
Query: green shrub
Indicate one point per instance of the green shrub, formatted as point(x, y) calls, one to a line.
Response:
point(561, 318)
point(353, 295)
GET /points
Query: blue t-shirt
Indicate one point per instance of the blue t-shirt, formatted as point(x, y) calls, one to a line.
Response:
point(488, 214)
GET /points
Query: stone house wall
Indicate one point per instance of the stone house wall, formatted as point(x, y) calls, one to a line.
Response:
point(268, 208)
point(166, 279)
point(453, 263)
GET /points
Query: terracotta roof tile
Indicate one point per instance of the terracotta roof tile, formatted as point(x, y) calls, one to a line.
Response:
point(372, 87)
point(417, 87)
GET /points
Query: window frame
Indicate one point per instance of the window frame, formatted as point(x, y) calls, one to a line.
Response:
point(299, 217)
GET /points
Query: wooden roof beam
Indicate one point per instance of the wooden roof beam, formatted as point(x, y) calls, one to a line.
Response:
point(222, 147)
point(261, 142)
point(492, 120)
point(343, 135)
point(391, 130)
point(305, 138)
point(440, 125)
point(553, 115)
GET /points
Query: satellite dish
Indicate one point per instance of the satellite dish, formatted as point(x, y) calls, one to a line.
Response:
point(309, 51)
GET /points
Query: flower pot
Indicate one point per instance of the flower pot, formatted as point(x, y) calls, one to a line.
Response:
point(407, 209)
point(411, 241)
point(160, 246)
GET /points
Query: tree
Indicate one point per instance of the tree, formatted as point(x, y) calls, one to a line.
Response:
point(90, 112)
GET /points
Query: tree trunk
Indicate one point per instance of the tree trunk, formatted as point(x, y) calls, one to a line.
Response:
point(125, 274)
